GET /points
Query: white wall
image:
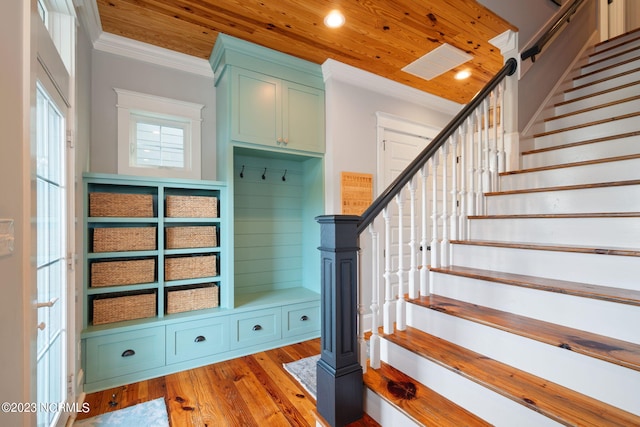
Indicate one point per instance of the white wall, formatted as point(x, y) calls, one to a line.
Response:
point(528, 15)
point(351, 130)
point(111, 71)
point(15, 275)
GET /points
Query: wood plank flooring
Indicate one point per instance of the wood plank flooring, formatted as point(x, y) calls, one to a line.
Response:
point(253, 390)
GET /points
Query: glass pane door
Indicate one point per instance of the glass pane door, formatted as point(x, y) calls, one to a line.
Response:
point(51, 258)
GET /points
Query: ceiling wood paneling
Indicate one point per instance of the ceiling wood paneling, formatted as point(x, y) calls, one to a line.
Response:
point(380, 36)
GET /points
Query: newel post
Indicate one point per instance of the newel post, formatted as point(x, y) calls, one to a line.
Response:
point(339, 374)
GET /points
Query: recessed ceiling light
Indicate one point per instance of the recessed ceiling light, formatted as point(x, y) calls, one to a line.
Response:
point(464, 74)
point(334, 19)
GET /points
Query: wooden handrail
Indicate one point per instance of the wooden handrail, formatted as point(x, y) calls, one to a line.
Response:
point(398, 184)
point(548, 35)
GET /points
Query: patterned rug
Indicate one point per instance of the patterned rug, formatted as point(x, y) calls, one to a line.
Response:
point(152, 413)
point(304, 371)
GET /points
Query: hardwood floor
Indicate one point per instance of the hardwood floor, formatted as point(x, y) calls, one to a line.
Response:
point(253, 390)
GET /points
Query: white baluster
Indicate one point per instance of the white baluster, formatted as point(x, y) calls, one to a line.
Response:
point(413, 240)
point(453, 218)
point(471, 164)
point(401, 303)
point(494, 141)
point(435, 261)
point(424, 242)
point(463, 180)
point(374, 340)
point(480, 165)
point(486, 170)
point(502, 152)
point(444, 244)
point(387, 320)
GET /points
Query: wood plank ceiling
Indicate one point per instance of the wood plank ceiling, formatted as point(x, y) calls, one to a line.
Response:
point(380, 36)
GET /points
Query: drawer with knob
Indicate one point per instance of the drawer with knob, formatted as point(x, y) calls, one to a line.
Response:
point(109, 356)
point(303, 318)
point(200, 338)
point(256, 327)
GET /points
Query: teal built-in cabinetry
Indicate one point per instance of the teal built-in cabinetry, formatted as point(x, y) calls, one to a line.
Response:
point(270, 145)
point(248, 276)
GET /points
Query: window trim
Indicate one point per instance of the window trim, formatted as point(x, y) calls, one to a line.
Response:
point(158, 108)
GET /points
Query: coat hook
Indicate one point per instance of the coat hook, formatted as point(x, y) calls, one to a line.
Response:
point(284, 176)
point(264, 174)
point(242, 172)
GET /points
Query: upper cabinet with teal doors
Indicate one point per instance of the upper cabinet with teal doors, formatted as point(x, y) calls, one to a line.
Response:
point(280, 106)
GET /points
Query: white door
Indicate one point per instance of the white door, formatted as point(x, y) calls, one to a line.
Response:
point(51, 229)
point(400, 143)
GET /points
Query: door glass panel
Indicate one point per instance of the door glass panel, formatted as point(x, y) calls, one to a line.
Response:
point(51, 262)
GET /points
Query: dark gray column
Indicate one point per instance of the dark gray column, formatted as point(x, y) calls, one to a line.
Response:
point(339, 384)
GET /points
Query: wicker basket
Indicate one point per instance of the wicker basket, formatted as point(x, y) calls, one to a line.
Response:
point(118, 239)
point(118, 273)
point(191, 237)
point(199, 298)
point(192, 207)
point(189, 267)
point(120, 205)
point(126, 307)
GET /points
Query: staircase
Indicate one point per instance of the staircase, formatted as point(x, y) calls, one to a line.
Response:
point(537, 322)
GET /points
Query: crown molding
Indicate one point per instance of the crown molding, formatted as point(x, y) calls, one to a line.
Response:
point(118, 45)
point(133, 49)
point(334, 70)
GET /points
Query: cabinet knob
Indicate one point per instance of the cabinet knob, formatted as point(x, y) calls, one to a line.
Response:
point(200, 338)
point(279, 140)
point(304, 318)
point(286, 141)
point(128, 353)
point(256, 327)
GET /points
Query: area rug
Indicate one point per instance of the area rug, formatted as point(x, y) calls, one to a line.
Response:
point(152, 413)
point(304, 371)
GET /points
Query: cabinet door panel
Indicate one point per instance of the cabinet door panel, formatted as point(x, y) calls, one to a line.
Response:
point(190, 340)
point(256, 108)
point(303, 117)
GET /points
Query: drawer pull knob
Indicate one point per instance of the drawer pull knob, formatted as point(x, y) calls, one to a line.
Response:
point(257, 327)
point(200, 338)
point(304, 318)
point(128, 353)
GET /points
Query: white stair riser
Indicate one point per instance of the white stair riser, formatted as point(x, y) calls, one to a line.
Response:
point(466, 393)
point(626, 54)
point(616, 42)
point(606, 270)
point(614, 48)
point(592, 232)
point(593, 115)
point(383, 412)
point(602, 98)
point(587, 314)
point(584, 374)
point(621, 198)
point(608, 84)
point(609, 148)
point(606, 73)
point(587, 133)
point(620, 170)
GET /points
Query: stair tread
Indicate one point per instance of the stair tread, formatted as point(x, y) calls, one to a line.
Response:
point(613, 40)
point(600, 52)
point(602, 92)
point(611, 350)
point(593, 108)
point(423, 405)
point(602, 80)
point(608, 58)
point(554, 247)
point(578, 143)
point(552, 400)
point(573, 164)
point(584, 125)
point(569, 215)
point(605, 293)
point(565, 187)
